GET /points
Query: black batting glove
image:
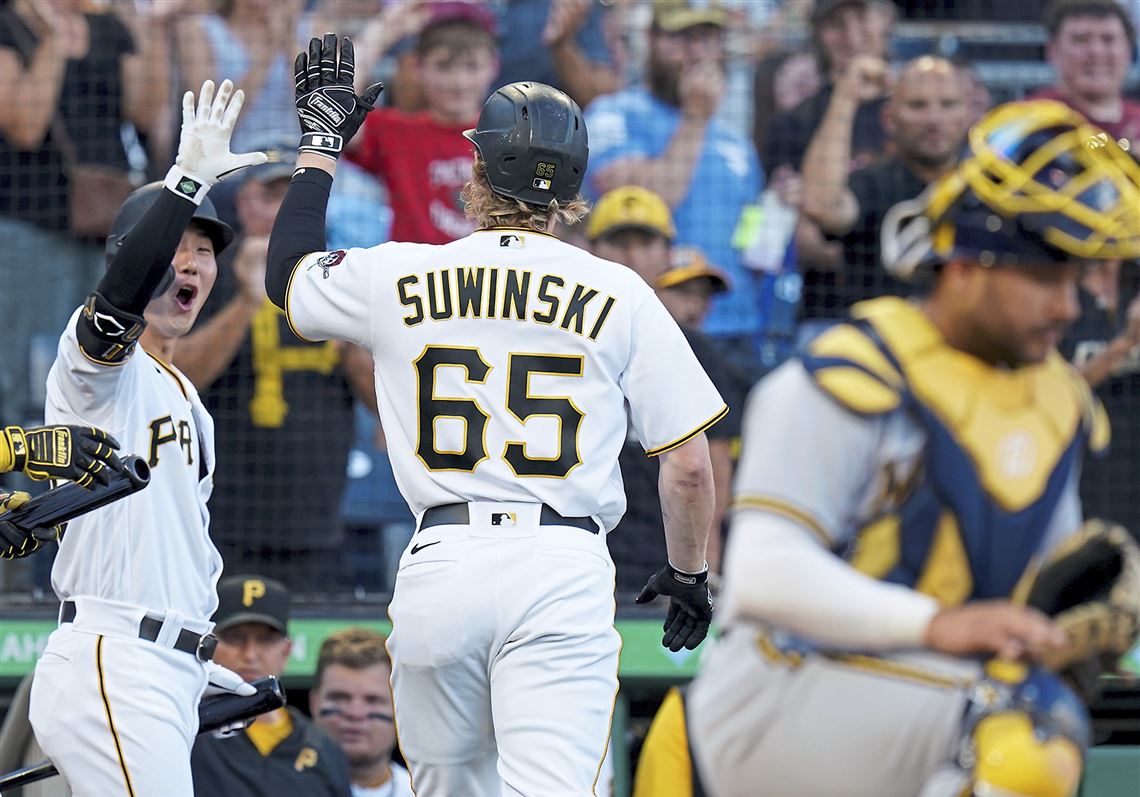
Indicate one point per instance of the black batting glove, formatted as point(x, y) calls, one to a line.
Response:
point(328, 107)
point(15, 543)
point(82, 454)
point(690, 606)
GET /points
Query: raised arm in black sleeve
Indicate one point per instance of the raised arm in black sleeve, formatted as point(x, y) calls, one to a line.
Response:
point(298, 230)
point(146, 254)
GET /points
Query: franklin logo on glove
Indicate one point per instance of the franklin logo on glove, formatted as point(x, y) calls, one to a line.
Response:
point(328, 109)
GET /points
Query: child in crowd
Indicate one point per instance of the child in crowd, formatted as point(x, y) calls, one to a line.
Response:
point(423, 158)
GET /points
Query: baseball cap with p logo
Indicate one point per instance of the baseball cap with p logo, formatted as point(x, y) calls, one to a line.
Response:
point(252, 599)
point(630, 207)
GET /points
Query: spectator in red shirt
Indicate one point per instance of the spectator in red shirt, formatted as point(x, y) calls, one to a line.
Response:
point(1091, 45)
point(423, 158)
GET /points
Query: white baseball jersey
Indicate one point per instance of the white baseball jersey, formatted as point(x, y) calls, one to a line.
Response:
point(508, 365)
point(152, 548)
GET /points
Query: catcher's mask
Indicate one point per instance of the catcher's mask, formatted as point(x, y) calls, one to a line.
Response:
point(139, 202)
point(1038, 183)
point(533, 139)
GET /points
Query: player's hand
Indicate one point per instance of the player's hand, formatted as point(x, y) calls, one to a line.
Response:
point(14, 542)
point(204, 147)
point(328, 107)
point(690, 606)
point(999, 628)
point(82, 454)
point(225, 681)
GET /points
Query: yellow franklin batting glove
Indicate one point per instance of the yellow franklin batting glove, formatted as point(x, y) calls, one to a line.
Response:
point(82, 454)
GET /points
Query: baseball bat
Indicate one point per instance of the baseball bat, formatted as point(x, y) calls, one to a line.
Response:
point(218, 711)
point(67, 501)
point(214, 712)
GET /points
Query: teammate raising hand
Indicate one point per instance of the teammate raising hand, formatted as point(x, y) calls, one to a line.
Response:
point(114, 695)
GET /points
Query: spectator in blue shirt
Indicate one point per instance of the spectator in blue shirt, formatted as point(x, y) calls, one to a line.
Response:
point(662, 136)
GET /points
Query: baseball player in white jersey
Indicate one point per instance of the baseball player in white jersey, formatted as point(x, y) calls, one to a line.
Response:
point(901, 482)
point(115, 693)
point(505, 365)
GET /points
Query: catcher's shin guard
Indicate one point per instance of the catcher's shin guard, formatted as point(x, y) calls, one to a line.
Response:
point(1025, 734)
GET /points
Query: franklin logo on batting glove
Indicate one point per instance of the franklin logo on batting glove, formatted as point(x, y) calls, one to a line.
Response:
point(328, 109)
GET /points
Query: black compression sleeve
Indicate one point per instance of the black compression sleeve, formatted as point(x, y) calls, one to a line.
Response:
point(146, 254)
point(298, 230)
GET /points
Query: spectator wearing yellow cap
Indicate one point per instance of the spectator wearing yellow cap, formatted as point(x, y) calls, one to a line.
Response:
point(632, 225)
point(687, 288)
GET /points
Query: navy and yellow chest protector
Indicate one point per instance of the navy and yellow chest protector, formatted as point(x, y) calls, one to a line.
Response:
point(1002, 445)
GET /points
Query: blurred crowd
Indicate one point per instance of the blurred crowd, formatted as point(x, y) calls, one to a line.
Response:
point(743, 154)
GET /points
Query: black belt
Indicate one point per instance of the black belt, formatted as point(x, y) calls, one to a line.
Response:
point(460, 515)
point(201, 646)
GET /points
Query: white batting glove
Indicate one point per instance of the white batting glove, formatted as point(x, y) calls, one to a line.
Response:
point(222, 680)
point(204, 155)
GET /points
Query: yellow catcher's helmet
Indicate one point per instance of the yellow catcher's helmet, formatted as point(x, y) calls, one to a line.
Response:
point(1038, 183)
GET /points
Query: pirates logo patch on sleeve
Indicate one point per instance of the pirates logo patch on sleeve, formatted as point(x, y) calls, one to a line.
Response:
point(328, 260)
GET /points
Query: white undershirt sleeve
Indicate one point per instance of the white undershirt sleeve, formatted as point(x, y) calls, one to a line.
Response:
point(778, 574)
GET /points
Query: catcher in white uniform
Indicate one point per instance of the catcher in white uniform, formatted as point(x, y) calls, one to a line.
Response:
point(506, 362)
point(115, 693)
point(901, 484)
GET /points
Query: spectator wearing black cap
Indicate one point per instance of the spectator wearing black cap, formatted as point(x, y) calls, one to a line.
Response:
point(282, 752)
point(283, 405)
point(841, 31)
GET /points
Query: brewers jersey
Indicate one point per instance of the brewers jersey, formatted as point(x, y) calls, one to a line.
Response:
point(499, 360)
point(920, 464)
point(152, 548)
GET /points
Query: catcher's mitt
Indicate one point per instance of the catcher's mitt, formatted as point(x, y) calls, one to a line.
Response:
point(1090, 586)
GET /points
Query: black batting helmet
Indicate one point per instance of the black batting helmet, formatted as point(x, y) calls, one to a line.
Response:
point(533, 140)
point(140, 201)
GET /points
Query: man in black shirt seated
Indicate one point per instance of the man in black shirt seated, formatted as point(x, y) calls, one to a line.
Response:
point(282, 752)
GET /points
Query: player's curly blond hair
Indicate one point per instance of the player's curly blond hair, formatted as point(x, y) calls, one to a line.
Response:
point(487, 209)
